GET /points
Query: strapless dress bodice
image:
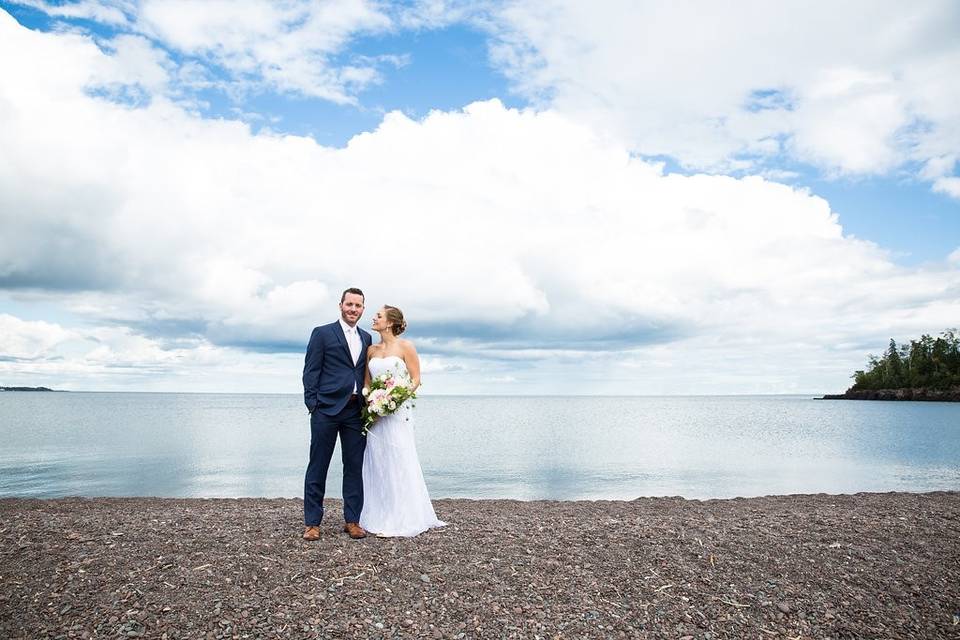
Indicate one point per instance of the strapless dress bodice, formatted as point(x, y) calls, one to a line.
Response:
point(381, 365)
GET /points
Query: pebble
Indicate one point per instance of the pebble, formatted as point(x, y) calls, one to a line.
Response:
point(493, 569)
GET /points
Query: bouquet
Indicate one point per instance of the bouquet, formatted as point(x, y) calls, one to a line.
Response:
point(385, 395)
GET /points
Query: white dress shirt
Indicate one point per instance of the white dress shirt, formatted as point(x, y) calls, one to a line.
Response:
point(353, 342)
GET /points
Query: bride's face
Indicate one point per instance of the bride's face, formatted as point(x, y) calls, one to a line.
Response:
point(380, 321)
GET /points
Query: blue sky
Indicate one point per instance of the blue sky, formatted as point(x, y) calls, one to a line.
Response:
point(565, 199)
point(899, 214)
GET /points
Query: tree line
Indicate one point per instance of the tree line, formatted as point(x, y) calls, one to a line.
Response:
point(932, 363)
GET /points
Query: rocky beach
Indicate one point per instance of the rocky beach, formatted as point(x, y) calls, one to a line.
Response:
point(915, 395)
point(800, 566)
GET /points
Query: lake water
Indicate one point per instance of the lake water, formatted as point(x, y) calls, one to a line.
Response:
point(224, 445)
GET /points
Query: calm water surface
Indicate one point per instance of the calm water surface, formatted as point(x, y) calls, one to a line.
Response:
point(223, 445)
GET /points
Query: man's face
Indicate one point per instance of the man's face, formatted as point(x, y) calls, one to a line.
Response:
point(351, 308)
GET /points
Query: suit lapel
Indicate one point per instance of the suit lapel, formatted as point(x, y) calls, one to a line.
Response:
point(341, 336)
point(365, 341)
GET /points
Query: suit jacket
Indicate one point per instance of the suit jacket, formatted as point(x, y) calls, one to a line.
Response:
point(329, 373)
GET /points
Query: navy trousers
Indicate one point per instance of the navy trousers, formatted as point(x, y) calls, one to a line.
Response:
point(324, 429)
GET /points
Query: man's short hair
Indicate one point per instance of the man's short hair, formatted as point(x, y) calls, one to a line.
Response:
point(354, 291)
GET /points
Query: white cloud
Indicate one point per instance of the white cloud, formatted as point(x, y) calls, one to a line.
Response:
point(861, 88)
point(849, 122)
point(286, 46)
point(938, 167)
point(134, 64)
point(23, 339)
point(949, 186)
point(854, 88)
point(518, 242)
point(107, 12)
point(36, 353)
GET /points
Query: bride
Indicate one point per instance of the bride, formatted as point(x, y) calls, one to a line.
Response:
point(395, 498)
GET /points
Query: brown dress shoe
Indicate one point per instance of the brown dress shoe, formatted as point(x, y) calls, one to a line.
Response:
point(312, 534)
point(355, 530)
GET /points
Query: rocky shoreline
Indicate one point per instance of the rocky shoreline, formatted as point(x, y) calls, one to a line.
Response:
point(803, 566)
point(924, 395)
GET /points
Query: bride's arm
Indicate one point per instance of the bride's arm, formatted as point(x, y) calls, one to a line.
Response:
point(412, 360)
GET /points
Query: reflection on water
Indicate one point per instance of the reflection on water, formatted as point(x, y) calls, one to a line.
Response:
point(208, 445)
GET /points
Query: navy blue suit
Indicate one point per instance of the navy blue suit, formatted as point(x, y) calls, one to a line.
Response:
point(329, 378)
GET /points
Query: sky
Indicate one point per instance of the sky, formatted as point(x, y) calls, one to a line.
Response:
point(564, 197)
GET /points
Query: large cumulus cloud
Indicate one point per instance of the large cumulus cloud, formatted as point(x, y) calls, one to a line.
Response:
point(517, 241)
point(852, 88)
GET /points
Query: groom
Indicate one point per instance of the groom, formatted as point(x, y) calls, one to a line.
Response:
point(333, 373)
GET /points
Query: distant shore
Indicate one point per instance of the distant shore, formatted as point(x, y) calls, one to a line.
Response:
point(851, 566)
point(30, 389)
point(922, 394)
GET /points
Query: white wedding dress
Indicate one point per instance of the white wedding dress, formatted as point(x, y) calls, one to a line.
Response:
point(395, 498)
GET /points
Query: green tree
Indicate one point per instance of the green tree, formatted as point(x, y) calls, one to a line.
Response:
point(926, 363)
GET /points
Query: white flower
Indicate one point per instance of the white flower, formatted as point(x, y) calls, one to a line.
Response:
point(365, 391)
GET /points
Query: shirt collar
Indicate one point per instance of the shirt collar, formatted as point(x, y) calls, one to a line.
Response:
point(346, 328)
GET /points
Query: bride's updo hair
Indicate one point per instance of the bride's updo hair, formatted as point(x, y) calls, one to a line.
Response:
point(395, 318)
